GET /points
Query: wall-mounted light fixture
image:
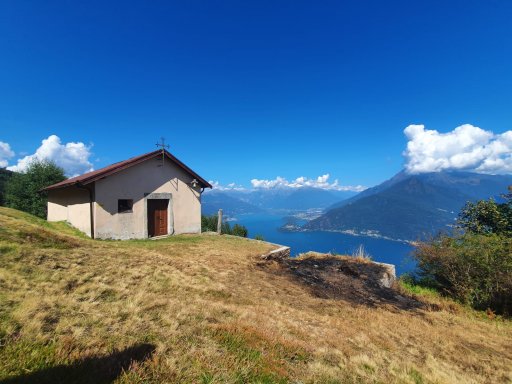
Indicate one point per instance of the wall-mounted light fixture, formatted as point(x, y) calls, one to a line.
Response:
point(194, 183)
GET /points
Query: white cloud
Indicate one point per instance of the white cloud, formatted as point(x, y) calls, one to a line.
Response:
point(467, 148)
point(321, 182)
point(230, 187)
point(267, 184)
point(5, 154)
point(72, 157)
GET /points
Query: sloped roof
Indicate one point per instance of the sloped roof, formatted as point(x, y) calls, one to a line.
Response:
point(93, 176)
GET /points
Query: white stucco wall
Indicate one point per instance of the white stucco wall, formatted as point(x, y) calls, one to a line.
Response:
point(136, 182)
point(71, 205)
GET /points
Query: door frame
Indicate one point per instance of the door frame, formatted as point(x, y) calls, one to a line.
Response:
point(170, 215)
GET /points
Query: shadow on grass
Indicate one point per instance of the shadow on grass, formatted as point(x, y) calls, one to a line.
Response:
point(100, 370)
point(338, 278)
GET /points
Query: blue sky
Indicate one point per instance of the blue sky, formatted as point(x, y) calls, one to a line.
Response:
point(253, 90)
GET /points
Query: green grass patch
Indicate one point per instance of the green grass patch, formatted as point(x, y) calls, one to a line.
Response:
point(237, 345)
point(416, 289)
point(21, 358)
point(108, 295)
point(368, 368)
point(218, 294)
point(7, 248)
point(261, 357)
point(416, 376)
point(24, 361)
point(64, 227)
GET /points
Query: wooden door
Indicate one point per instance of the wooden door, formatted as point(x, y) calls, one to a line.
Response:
point(157, 217)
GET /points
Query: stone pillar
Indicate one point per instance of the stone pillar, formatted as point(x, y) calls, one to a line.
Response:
point(219, 222)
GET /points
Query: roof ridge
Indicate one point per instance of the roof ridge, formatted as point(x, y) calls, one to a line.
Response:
point(113, 168)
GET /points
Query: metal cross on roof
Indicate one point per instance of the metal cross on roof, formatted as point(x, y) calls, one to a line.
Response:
point(163, 146)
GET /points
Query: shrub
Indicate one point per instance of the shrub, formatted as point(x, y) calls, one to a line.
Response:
point(259, 237)
point(239, 230)
point(473, 268)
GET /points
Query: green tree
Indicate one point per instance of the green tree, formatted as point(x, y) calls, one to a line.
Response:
point(486, 216)
point(23, 190)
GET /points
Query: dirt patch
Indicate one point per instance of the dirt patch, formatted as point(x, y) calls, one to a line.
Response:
point(341, 278)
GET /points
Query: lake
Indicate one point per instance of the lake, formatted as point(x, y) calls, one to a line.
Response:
point(381, 250)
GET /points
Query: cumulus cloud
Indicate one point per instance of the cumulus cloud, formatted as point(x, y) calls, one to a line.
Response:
point(5, 154)
point(72, 157)
point(321, 182)
point(230, 187)
point(466, 148)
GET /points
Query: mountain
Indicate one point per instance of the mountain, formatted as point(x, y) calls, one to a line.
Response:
point(371, 191)
point(235, 202)
point(411, 206)
point(212, 201)
point(294, 199)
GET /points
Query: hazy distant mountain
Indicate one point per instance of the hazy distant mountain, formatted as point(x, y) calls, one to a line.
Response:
point(296, 198)
point(411, 206)
point(278, 199)
point(212, 201)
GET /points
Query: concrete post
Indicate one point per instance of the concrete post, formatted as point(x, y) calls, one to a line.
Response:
point(219, 222)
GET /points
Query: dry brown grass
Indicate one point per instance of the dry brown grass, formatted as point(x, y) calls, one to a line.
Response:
point(208, 311)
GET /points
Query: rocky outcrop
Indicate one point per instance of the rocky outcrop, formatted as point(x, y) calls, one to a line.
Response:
point(387, 275)
point(281, 253)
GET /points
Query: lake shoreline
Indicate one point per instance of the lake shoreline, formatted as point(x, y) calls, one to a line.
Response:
point(336, 242)
point(350, 232)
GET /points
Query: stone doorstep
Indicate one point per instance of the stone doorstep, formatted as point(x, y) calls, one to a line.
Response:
point(159, 237)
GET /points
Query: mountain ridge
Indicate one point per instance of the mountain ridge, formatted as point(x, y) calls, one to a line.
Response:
point(235, 202)
point(410, 207)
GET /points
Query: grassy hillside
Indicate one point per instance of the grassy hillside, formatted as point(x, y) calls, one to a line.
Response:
point(207, 309)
